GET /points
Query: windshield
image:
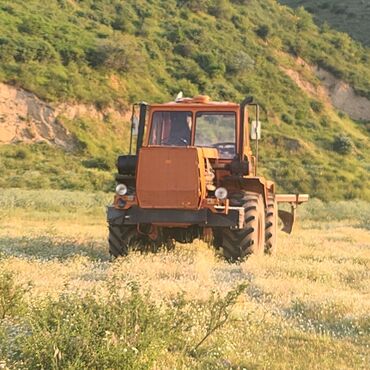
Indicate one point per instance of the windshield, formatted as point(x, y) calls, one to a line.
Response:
point(171, 128)
point(216, 130)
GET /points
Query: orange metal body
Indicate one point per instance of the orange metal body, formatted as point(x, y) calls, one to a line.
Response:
point(180, 177)
point(172, 177)
point(169, 177)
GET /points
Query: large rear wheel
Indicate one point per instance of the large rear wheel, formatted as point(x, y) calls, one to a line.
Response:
point(239, 244)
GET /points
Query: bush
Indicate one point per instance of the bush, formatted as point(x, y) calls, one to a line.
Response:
point(239, 62)
point(31, 26)
point(99, 163)
point(211, 64)
point(287, 118)
point(220, 9)
point(11, 295)
point(325, 121)
point(305, 21)
point(21, 154)
point(194, 5)
point(8, 50)
point(263, 31)
point(316, 106)
point(185, 49)
point(123, 23)
point(120, 53)
point(342, 144)
point(127, 328)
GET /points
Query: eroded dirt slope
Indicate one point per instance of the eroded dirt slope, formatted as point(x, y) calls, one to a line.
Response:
point(26, 118)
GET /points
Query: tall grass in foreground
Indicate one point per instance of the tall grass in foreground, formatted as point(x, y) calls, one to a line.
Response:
point(121, 330)
point(64, 306)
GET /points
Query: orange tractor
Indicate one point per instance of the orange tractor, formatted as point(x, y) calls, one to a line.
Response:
point(194, 176)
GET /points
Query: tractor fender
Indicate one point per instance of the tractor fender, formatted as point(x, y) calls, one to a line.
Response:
point(254, 184)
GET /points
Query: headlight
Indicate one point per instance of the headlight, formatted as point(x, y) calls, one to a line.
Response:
point(121, 189)
point(221, 193)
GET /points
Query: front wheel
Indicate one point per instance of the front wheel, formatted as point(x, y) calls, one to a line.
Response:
point(122, 239)
point(239, 244)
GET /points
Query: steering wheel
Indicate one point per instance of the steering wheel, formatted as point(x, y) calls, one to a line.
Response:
point(226, 149)
point(178, 141)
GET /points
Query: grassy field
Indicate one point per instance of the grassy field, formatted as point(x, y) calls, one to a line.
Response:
point(64, 305)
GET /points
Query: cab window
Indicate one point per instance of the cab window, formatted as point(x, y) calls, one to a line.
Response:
point(171, 129)
point(216, 130)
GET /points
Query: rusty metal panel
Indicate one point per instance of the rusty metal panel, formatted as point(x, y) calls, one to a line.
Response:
point(168, 177)
point(292, 198)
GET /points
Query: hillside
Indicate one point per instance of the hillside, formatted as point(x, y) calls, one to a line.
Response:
point(351, 16)
point(96, 57)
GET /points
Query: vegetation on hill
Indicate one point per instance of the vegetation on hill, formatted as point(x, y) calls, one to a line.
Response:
point(113, 53)
point(351, 16)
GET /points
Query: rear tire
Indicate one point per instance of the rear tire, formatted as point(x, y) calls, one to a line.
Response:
point(271, 226)
point(239, 244)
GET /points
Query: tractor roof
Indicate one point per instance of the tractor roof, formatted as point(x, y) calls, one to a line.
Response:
point(198, 101)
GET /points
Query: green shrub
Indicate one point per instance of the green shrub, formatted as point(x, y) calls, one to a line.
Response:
point(220, 9)
point(21, 154)
point(316, 106)
point(287, 118)
point(239, 62)
point(99, 163)
point(342, 144)
point(120, 53)
point(11, 295)
point(263, 31)
point(185, 49)
point(211, 64)
point(124, 329)
point(325, 121)
point(195, 5)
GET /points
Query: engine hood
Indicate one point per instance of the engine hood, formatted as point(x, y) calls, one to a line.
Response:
point(169, 177)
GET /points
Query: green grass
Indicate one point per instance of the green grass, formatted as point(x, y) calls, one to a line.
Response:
point(108, 54)
point(346, 16)
point(64, 305)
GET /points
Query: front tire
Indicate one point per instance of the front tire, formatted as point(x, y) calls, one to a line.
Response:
point(121, 239)
point(239, 244)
